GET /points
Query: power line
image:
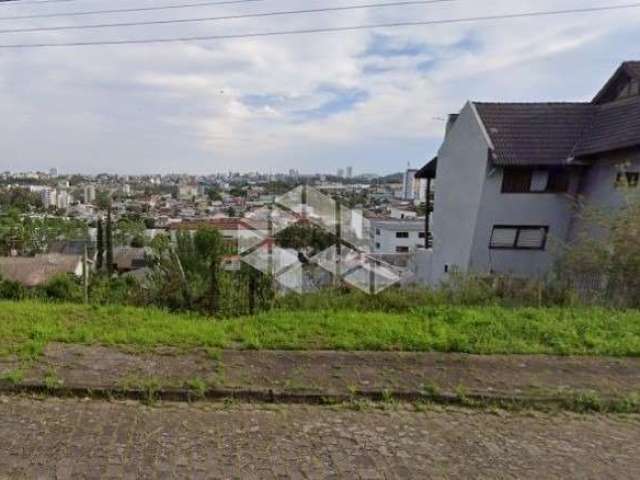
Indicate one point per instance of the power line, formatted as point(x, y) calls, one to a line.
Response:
point(327, 29)
point(126, 10)
point(228, 17)
point(32, 2)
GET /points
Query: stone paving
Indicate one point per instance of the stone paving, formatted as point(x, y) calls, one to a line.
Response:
point(90, 439)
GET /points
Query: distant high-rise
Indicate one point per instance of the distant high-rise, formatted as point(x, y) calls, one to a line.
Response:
point(340, 173)
point(408, 190)
point(63, 200)
point(53, 172)
point(349, 172)
point(89, 193)
point(49, 197)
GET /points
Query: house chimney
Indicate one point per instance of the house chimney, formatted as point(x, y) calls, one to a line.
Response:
point(450, 121)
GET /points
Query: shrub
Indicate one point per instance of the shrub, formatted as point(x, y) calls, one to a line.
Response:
point(62, 288)
point(603, 262)
point(10, 290)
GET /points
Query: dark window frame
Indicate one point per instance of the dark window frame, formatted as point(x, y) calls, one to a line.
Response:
point(402, 249)
point(520, 228)
point(402, 234)
point(632, 179)
point(559, 180)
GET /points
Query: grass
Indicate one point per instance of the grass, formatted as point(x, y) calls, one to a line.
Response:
point(26, 327)
point(13, 377)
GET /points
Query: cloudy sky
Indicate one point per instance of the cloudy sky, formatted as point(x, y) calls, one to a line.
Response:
point(372, 99)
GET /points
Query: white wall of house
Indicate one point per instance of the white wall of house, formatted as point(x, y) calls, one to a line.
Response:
point(462, 170)
point(552, 210)
point(598, 188)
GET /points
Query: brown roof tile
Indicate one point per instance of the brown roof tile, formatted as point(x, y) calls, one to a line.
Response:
point(33, 271)
point(615, 126)
point(534, 133)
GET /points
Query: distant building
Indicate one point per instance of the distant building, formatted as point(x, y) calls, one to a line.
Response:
point(187, 191)
point(127, 259)
point(340, 173)
point(38, 270)
point(402, 213)
point(390, 235)
point(63, 199)
point(409, 188)
point(349, 172)
point(49, 197)
point(89, 193)
point(53, 172)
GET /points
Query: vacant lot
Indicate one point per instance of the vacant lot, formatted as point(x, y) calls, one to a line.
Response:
point(26, 327)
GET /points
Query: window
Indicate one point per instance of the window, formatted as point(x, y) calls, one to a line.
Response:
point(627, 179)
point(516, 180)
point(378, 246)
point(519, 237)
point(402, 249)
point(421, 234)
point(539, 181)
point(377, 231)
point(526, 180)
point(559, 181)
point(402, 234)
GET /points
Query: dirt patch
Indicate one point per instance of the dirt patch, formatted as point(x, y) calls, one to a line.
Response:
point(333, 373)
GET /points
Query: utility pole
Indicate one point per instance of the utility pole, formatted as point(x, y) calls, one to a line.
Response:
point(338, 273)
point(109, 242)
point(100, 245)
point(85, 275)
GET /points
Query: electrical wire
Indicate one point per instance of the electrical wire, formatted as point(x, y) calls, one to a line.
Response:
point(544, 13)
point(128, 10)
point(403, 3)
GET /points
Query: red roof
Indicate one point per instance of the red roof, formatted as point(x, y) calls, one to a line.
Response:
point(217, 223)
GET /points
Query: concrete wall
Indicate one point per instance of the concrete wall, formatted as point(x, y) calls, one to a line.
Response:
point(598, 189)
point(554, 210)
point(462, 169)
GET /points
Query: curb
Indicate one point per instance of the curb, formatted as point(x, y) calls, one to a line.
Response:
point(571, 401)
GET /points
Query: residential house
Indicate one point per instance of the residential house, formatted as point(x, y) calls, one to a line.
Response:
point(38, 270)
point(128, 259)
point(509, 175)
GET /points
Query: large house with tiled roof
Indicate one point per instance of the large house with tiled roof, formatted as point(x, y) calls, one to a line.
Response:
point(509, 174)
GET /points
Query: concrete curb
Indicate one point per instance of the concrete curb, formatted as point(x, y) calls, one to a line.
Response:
point(570, 401)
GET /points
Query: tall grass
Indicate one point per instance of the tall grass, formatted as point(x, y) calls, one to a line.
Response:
point(26, 327)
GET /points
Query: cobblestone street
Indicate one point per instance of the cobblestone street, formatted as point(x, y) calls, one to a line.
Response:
point(93, 439)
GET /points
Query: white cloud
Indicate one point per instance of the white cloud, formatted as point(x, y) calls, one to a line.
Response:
point(240, 104)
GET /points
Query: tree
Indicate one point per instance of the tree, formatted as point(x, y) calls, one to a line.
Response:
point(100, 245)
point(109, 242)
point(305, 237)
point(209, 246)
point(214, 194)
point(605, 255)
point(103, 200)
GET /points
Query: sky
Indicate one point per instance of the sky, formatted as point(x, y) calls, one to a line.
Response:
point(375, 100)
